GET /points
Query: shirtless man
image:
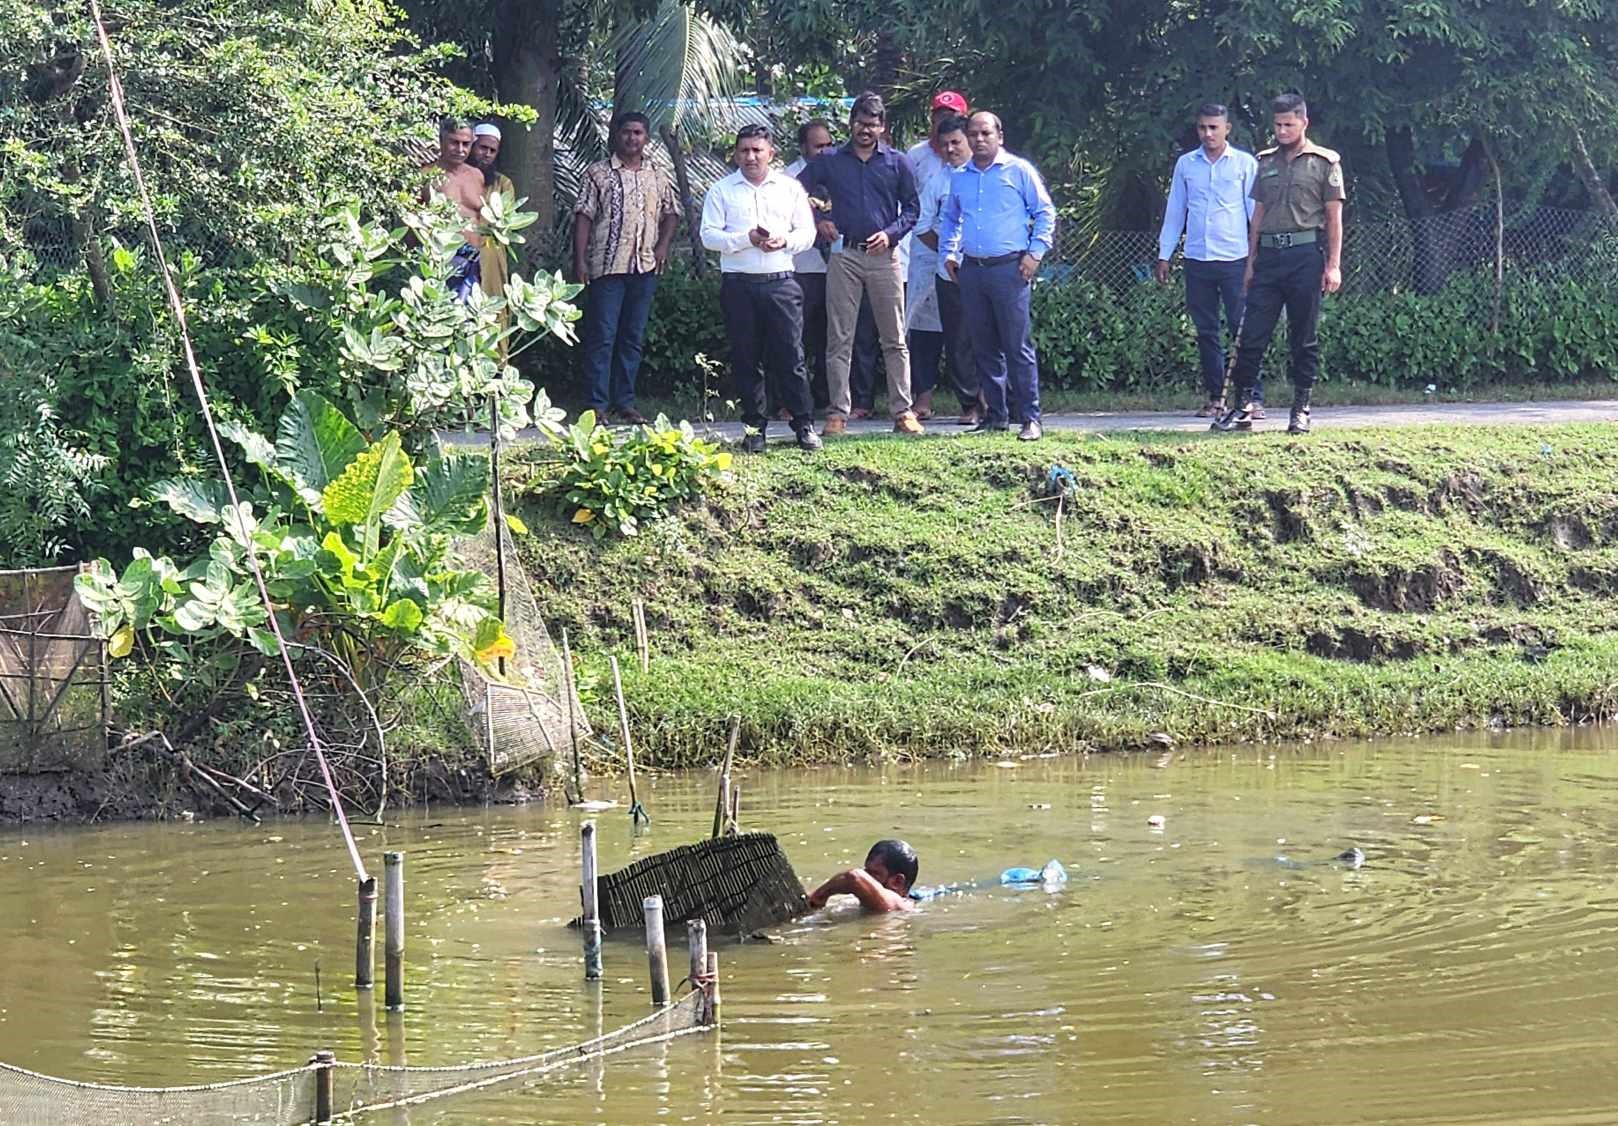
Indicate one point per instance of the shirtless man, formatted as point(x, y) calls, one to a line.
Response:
point(882, 885)
point(460, 182)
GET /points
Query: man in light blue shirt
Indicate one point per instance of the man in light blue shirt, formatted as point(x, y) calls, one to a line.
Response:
point(996, 225)
point(1210, 202)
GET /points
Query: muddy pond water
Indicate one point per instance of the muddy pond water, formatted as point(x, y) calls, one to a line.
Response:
point(1219, 969)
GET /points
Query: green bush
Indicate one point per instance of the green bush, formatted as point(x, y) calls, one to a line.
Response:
point(612, 482)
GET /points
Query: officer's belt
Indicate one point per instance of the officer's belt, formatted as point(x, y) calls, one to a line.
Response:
point(1280, 240)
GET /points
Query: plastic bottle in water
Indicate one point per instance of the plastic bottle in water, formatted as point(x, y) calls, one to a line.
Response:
point(1050, 877)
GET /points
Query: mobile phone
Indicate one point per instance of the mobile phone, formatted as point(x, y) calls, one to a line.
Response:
point(761, 232)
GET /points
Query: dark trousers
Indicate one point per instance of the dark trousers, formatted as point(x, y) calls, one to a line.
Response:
point(615, 310)
point(814, 334)
point(1207, 285)
point(862, 368)
point(996, 302)
point(929, 351)
point(1283, 278)
point(764, 321)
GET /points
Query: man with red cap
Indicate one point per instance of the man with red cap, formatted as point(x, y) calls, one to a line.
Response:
point(925, 305)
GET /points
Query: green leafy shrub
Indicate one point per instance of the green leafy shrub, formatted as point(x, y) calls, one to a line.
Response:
point(612, 482)
point(354, 541)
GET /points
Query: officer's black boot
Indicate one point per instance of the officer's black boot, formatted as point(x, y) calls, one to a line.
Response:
point(1299, 422)
point(1239, 417)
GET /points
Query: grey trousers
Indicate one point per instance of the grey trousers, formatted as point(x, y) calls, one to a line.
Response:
point(850, 273)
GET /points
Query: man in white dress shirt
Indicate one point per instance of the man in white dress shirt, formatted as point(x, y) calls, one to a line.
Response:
point(758, 219)
point(1210, 202)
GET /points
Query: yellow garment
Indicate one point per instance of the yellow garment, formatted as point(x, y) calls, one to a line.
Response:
point(495, 262)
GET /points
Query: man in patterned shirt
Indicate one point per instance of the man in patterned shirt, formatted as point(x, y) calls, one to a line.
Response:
point(623, 226)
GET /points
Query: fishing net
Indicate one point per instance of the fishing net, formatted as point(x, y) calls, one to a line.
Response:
point(360, 1089)
point(288, 1098)
point(519, 725)
point(53, 701)
point(736, 885)
point(284, 1097)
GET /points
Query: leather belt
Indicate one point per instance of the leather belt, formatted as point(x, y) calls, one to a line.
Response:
point(758, 279)
point(1280, 240)
point(997, 260)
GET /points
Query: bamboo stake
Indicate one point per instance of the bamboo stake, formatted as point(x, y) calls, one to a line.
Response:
point(323, 1087)
point(643, 641)
point(721, 801)
point(365, 936)
point(696, 940)
point(572, 717)
point(657, 958)
point(712, 986)
point(736, 809)
point(393, 929)
point(637, 812)
point(589, 895)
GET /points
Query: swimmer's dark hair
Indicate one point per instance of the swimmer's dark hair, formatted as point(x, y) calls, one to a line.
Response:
point(898, 858)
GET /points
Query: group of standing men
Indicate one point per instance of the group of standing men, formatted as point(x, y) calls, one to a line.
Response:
point(810, 253)
point(979, 220)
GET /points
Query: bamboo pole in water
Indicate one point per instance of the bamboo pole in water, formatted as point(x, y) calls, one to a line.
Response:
point(696, 941)
point(323, 1101)
point(643, 641)
point(365, 936)
point(722, 802)
point(393, 928)
point(657, 958)
point(712, 987)
point(589, 899)
point(736, 808)
point(637, 812)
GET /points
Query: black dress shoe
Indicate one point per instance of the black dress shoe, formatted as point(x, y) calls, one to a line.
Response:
point(991, 426)
point(809, 440)
point(1299, 422)
point(753, 443)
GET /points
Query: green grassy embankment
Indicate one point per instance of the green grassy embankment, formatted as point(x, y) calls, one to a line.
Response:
point(906, 598)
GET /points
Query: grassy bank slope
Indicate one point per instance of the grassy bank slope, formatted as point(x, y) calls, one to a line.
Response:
point(899, 597)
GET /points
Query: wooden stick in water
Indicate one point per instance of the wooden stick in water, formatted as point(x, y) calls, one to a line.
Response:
point(365, 936)
point(589, 895)
point(643, 641)
point(657, 958)
point(713, 988)
point(393, 929)
point(722, 801)
point(736, 809)
point(637, 812)
point(696, 940)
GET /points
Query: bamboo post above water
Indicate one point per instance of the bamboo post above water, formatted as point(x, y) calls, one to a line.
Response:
point(657, 958)
point(589, 899)
point(637, 812)
point(393, 929)
point(365, 936)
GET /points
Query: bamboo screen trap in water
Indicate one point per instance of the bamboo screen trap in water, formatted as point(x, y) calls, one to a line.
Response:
point(736, 885)
point(538, 716)
point(321, 1091)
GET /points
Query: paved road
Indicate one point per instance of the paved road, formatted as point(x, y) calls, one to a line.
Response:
point(1324, 418)
point(1469, 414)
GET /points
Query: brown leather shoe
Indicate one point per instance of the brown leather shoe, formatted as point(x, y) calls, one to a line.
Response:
point(1213, 408)
point(968, 417)
point(836, 426)
point(633, 417)
point(907, 423)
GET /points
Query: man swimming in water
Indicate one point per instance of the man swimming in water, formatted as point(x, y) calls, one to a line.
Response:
point(883, 884)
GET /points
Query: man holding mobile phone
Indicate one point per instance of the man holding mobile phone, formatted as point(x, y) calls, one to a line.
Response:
point(874, 203)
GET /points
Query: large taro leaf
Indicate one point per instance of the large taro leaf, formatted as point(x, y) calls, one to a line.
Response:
point(372, 484)
point(448, 495)
point(199, 499)
point(314, 443)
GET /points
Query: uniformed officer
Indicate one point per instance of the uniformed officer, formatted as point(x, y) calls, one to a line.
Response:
point(1295, 253)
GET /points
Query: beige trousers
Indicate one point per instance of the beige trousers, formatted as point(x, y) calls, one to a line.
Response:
point(849, 274)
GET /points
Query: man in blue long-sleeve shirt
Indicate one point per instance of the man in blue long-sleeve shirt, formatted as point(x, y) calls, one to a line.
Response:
point(994, 228)
point(1210, 203)
point(872, 192)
